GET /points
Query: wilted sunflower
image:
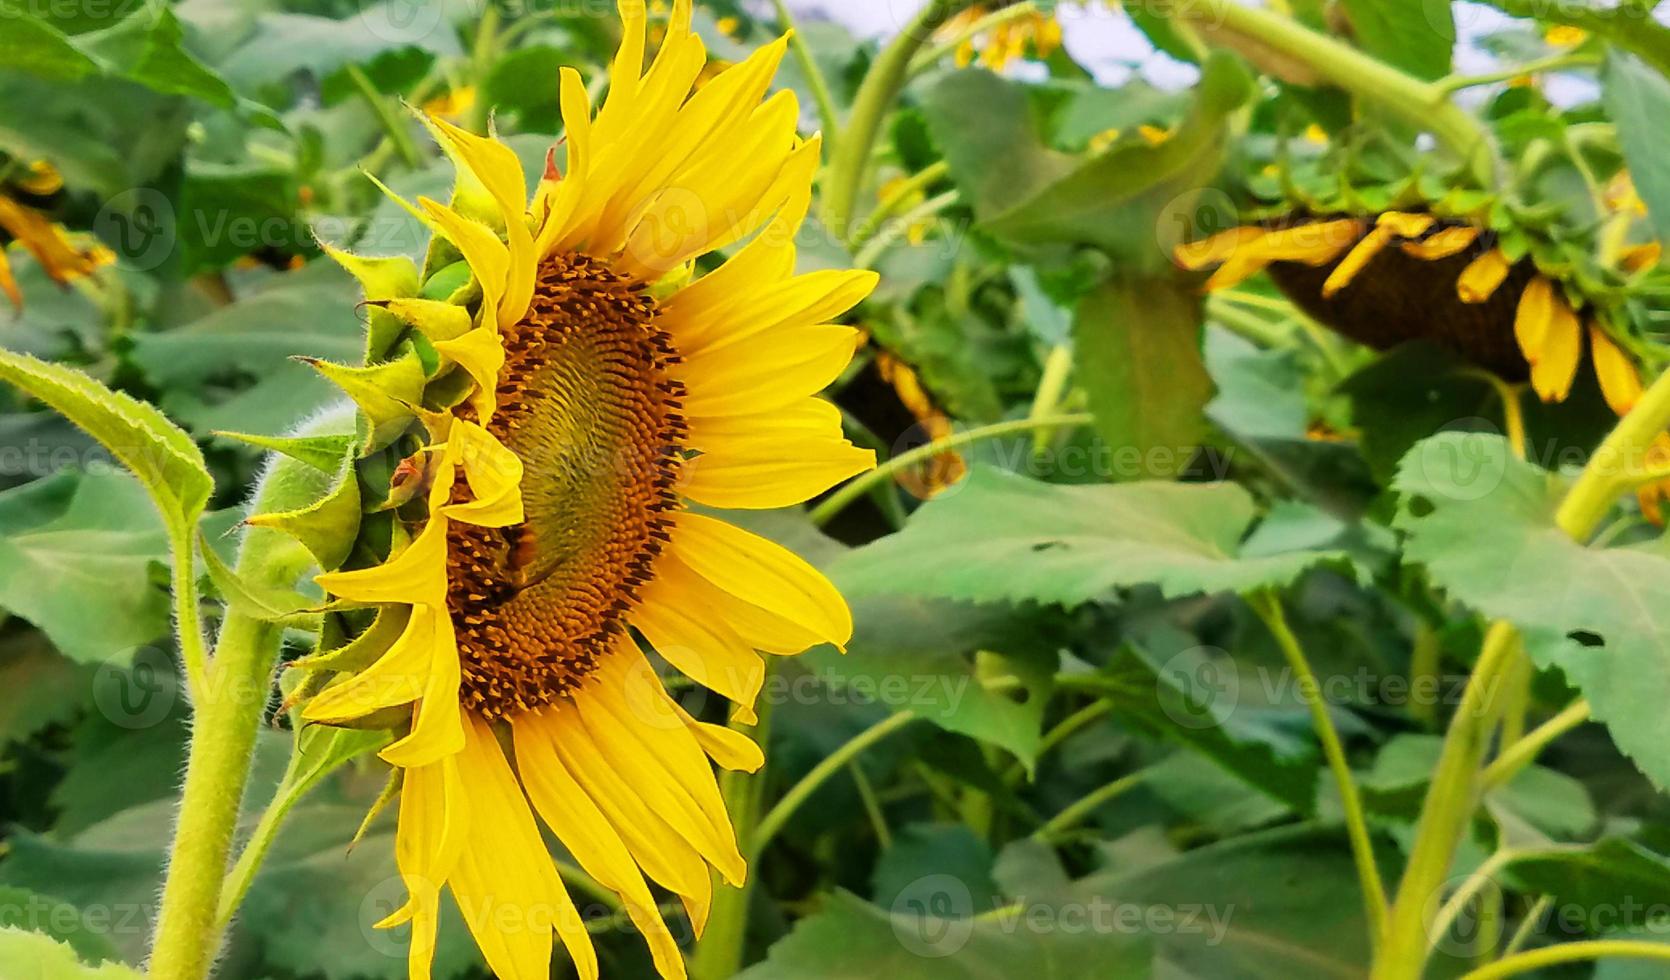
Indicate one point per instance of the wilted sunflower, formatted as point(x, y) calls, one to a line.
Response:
point(1400, 276)
point(584, 384)
point(63, 255)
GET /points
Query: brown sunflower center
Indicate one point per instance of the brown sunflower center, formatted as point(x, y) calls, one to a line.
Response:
point(585, 401)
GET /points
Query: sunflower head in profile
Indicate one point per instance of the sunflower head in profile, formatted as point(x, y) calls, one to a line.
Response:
point(1528, 300)
point(560, 382)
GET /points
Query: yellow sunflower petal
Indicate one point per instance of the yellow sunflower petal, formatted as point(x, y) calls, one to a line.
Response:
point(504, 881)
point(495, 165)
point(398, 677)
point(1442, 243)
point(434, 822)
point(660, 850)
point(494, 474)
point(8, 282)
point(1217, 249)
point(1552, 375)
point(760, 629)
point(807, 418)
point(764, 573)
point(701, 645)
point(1355, 260)
point(415, 576)
point(752, 311)
point(662, 761)
point(775, 476)
point(590, 836)
point(1483, 276)
point(565, 194)
point(488, 257)
point(1620, 382)
point(725, 746)
point(1533, 316)
point(1405, 224)
point(768, 373)
point(481, 354)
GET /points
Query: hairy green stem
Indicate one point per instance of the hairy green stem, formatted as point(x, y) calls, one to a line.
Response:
point(862, 484)
point(228, 714)
point(1421, 104)
point(828, 114)
point(881, 87)
point(393, 125)
point(1269, 609)
point(188, 616)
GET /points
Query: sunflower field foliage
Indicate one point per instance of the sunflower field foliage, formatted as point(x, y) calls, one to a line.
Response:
point(781, 490)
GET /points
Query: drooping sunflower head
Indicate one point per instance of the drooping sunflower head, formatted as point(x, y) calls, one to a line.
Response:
point(1400, 276)
point(562, 380)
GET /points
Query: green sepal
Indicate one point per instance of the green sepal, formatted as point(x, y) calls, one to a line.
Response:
point(391, 792)
point(435, 319)
point(382, 278)
point(323, 453)
point(385, 394)
point(448, 282)
point(327, 528)
point(363, 650)
point(269, 605)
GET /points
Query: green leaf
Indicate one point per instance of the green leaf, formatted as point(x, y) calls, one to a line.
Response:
point(147, 47)
point(154, 449)
point(1599, 877)
point(930, 934)
point(1029, 194)
point(1000, 537)
point(1638, 99)
point(32, 45)
point(1482, 521)
point(38, 686)
point(76, 559)
point(1193, 697)
point(30, 955)
point(1418, 38)
point(32, 912)
point(1139, 361)
point(919, 656)
point(229, 369)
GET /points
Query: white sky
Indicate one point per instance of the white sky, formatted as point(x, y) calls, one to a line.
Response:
point(1105, 41)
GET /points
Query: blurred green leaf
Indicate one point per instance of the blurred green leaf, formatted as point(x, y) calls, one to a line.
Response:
point(231, 369)
point(38, 686)
point(1417, 38)
point(1623, 880)
point(1638, 98)
point(30, 955)
point(77, 559)
point(1139, 361)
point(930, 934)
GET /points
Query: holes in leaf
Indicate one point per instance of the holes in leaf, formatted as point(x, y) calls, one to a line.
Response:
point(1586, 638)
point(1048, 545)
point(1421, 506)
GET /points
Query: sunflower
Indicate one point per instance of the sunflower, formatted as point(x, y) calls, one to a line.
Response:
point(1398, 276)
point(63, 255)
point(582, 384)
point(1005, 43)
